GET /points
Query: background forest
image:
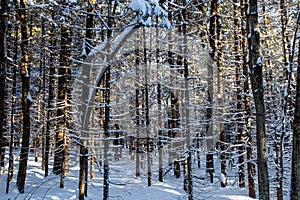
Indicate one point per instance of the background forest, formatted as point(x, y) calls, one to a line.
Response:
point(203, 91)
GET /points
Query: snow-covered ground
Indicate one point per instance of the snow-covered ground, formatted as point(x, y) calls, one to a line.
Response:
point(123, 185)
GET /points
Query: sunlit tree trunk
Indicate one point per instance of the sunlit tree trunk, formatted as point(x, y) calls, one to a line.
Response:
point(256, 77)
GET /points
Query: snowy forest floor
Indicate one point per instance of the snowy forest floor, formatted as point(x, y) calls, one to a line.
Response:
point(123, 185)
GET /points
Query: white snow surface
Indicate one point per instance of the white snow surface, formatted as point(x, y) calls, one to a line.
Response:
point(123, 185)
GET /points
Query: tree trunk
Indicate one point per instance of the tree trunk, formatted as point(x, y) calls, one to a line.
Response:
point(50, 97)
point(295, 174)
point(136, 144)
point(12, 117)
point(209, 111)
point(83, 172)
point(61, 156)
point(159, 115)
point(26, 99)
point(279, 136)
point(221, 94)
point(107, 110)
point(188, 176)
point(250, 166)
point(256, 76)
point(239, 106)
point(3, 70)
point(107, 134)
point(147, 118)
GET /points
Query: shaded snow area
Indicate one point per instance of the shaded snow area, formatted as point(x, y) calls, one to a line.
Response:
point(123, 184)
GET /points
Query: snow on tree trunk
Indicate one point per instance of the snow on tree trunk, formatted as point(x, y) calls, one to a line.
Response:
point(256, 77)
point(3, 70)
point(295, 174)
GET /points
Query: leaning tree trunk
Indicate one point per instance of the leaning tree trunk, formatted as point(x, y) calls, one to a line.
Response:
point(256, 77)
point(26, 99)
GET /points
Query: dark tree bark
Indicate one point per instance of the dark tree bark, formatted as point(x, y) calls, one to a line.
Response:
point(107, 110)
point(13, 109)
point(106, 135)
point(83, 173)
point(212, 52)
point(26, 100)
point(256, 77)
point(295, 174)
point(295, 180)
point(137, 113)
point(63, 100)
point(188, 175)
point(3, 71)
point(279, 136)
point(250, 165)
point(239, 93)
point(50, 97)
point(220, 86)
point(147, 118)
